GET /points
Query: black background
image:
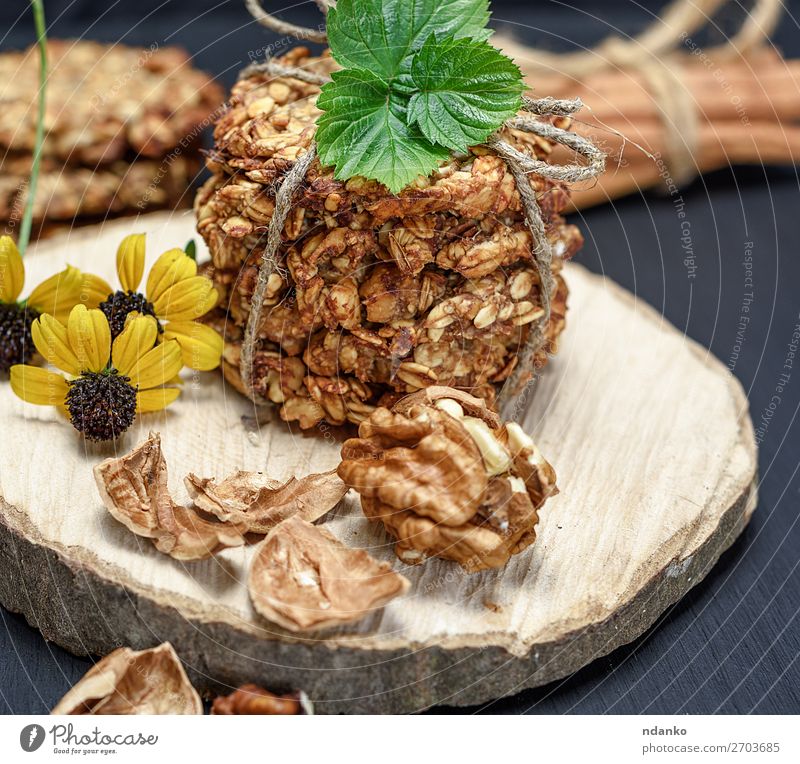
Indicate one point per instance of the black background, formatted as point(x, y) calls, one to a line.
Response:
point(731, 645)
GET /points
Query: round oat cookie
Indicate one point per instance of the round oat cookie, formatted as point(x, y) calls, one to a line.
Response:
point(105, 102)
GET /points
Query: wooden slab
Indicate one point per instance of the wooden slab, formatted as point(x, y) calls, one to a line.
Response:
point(654, 450)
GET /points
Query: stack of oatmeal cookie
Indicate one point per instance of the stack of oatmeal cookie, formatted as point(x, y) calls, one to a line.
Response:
point(376, 295)
point(123, 128)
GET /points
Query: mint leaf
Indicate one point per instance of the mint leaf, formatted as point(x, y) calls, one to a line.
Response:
point(381, 35)
point(364, 131)
point(464, 91)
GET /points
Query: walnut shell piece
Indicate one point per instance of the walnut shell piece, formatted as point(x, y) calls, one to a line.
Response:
point(257, 503)
point(304, 578)
point(448, 479)
point(134, 490)
point(133, 682)
point(250, 699)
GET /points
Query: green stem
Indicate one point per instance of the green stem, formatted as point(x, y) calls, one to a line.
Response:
point(41, 37)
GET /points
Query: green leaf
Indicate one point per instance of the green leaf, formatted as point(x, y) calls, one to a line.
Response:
point(381, 35)
point(364, 131)
point(418, 79)
point(464, 91)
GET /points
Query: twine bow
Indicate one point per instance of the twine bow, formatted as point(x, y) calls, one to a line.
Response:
point(520, 164)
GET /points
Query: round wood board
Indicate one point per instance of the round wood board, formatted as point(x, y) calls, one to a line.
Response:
point(649, 434)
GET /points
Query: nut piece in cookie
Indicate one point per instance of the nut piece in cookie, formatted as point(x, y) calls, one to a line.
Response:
point(448, 480)
point(304, 578)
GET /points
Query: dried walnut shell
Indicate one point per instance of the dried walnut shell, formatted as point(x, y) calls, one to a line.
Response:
point(448, 480)
point(134, 490)
point(130, 682)
point(304, 578)
point(257, 503)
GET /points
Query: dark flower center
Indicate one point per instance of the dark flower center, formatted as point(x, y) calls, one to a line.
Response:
point(101, 405)
point(16, 345)
point(120, 305)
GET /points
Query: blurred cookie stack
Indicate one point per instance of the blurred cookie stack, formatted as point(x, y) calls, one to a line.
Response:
point(376, 295)
point(123, 130)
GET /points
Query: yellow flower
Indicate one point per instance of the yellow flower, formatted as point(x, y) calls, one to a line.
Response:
point(174, 294)
point(106, 382)
point(55, 295)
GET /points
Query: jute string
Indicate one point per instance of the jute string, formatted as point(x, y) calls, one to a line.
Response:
point(269, 265)
point(659, 54)
point(680, 19)
point(678, 116)
point(520, 165)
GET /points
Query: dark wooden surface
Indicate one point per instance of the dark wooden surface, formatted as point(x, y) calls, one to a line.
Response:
point(732, 644)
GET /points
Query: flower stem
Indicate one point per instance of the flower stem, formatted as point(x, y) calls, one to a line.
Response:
point(41, 37)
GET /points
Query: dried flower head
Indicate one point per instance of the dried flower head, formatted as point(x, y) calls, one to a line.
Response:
point(55, 295)
point(175, 295)
point(106, 383)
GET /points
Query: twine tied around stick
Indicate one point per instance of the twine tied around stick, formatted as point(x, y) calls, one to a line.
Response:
point(658, 54)
point(520, 165)
point(679, 20)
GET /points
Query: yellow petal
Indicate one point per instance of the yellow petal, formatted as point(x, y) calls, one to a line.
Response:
point(89, 337)
point(156, 366)
point(187, 300)
point(171, 268)
point(130, 261)
point(12, 271)
point(156, 399)
point(138, 336)
point(51, 340)
point(200, 344)
point(94, 290)
point(58, 294)
point(39, 386)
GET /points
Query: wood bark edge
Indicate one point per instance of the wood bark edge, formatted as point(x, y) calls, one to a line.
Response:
point(219, 652)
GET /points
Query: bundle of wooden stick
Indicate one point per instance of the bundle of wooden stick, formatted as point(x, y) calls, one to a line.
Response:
point(665, 109)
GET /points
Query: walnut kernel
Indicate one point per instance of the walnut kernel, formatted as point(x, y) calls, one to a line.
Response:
point(447, 479)
point(250, 699)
